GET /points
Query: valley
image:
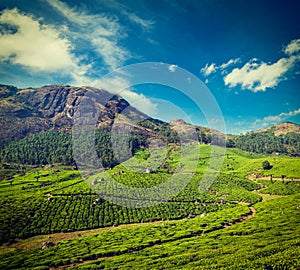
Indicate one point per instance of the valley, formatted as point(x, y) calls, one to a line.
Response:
point(149, 135)
point(229, 218)
point(167, 195)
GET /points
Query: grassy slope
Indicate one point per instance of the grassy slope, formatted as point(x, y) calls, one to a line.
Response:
point(270, 240)
point(246, 163)
point(19, 199)
point(120, 241)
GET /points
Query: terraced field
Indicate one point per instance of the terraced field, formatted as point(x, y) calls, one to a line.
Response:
point(234, 223)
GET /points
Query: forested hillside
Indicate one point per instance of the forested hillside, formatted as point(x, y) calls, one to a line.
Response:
point(56, 147)
point(36, 127)
point(267, 142)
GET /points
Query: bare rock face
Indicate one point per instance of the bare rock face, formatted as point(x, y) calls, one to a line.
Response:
point(30, 111)
point(24, 112)
point(7, 90)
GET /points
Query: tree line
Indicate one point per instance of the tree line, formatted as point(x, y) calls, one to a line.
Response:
point(266, 142)
point(56, 146)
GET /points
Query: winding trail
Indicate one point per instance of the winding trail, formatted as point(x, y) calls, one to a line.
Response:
point(266, 197)
point(253, 177)
point(93, 258)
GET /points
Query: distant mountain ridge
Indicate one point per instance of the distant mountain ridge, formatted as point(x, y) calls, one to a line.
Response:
point(29, 111)
point(281, 138)
point(36, 123)
point(31, 118)
point(282, 128)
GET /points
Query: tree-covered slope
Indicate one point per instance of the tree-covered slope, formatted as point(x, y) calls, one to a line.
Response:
point(31, 121)
point(267, 142)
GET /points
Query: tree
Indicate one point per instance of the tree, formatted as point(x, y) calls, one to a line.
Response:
point(230, 143)
point(266, 165)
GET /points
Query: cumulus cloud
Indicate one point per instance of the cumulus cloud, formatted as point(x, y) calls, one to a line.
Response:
point(292, 47)
point(274, 119)
point(212, 68)
point(229, 63)
point(172, 68)
point(208, 69)
point(101, 32)
point(121, 86)
point(33, 45)
point(258, 76)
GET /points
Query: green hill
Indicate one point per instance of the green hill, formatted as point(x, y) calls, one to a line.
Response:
point(236, 223)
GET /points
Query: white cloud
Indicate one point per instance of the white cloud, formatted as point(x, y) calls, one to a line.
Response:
point(113, 84)
point(172, 68)
point(213, 68)
point(238, 127)
point(152, 41)
point(256, 76)
point(229, 63)
point(140, 102)
point(292, 47)
point(274, 119)
point(102, 32)
point(33, 45)
point(144, 24)
point(208, 69)
point(113, 55)
point(120, 86)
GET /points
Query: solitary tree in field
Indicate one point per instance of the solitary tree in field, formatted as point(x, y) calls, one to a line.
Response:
point(266, 165)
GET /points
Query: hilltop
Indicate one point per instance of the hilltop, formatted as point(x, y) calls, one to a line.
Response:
point(36, 123)
point(282, 128)
point(29, 111)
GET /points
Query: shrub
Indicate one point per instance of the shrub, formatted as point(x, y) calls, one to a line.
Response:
point(266, 165)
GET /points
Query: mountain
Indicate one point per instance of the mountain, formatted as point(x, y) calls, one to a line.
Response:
point(278, 139)
point(29, 111)
point(282, 128)
point(36, 123)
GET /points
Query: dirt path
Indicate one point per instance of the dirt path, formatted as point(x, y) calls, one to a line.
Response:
point(266, 197)
point(261, 177)
point(36, 241)
point(249, 215)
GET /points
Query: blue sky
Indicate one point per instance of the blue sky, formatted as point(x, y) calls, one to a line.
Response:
point(246, 52)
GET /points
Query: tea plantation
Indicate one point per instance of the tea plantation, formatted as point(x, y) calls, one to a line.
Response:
point(233, 222)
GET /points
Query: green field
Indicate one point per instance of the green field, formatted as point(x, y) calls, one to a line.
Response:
point(232, 223)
